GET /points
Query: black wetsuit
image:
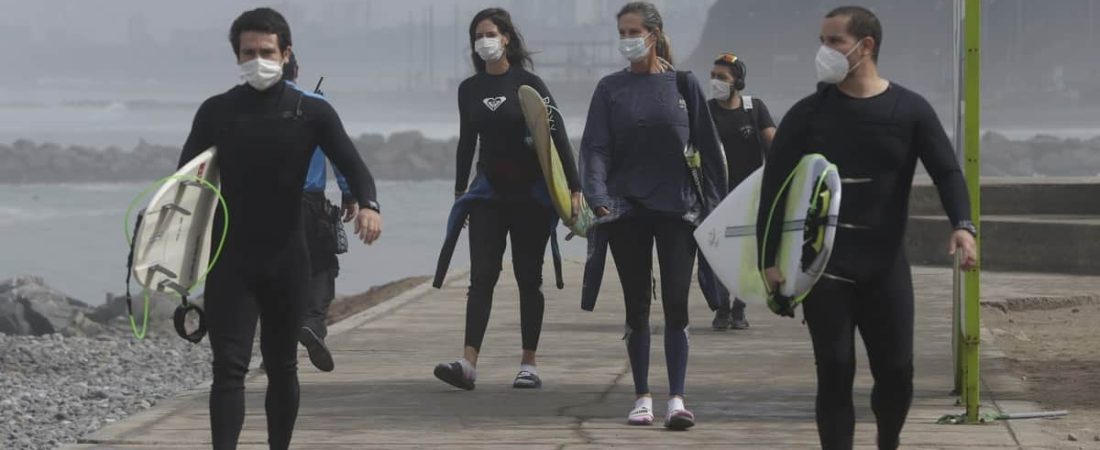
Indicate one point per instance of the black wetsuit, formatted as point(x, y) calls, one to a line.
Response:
point(876, 143)
point(492, 123)
point(264, 141)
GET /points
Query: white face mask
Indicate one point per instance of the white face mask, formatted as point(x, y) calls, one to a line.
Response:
point(489, 49)
point(634, 49)
point(833, 66)
point(719, 90)
point(261, 73)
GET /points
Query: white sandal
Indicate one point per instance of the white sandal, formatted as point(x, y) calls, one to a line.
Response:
point(642, 414)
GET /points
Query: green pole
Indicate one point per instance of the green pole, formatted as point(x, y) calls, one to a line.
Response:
point(972, 170)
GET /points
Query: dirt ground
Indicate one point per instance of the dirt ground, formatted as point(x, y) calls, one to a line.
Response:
point(1052, 344)
point(347, 306)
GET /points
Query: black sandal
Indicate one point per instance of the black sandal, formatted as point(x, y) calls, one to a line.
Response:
point(453, 375)
point(527, 380)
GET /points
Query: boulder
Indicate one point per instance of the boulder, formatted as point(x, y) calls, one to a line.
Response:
point(30, 307)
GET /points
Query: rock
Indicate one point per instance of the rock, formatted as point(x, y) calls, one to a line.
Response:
point(161, 307)
point(29, 306)
point(1072, 437)
point(18, 317)
point(40, 399)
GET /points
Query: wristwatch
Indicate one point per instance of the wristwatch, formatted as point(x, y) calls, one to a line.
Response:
point(373, 206)
point(968, 226)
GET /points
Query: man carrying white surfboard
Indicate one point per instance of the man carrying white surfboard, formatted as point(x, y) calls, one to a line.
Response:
point(265, 132)
point(746, 129)
point(875, 131)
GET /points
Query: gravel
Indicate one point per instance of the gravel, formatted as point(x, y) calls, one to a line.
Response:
point(55, 389)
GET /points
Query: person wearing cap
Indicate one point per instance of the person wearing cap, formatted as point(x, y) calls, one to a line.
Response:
point(746, 129)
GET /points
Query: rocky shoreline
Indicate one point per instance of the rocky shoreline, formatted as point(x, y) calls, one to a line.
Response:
point(55, 389)
point(400, 156)
point(409, 155)
point(68, 369)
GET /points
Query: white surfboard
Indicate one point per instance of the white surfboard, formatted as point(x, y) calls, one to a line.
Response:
point(728, 237)
point(172, 245)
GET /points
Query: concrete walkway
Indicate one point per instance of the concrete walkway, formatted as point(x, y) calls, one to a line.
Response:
point(748, 389)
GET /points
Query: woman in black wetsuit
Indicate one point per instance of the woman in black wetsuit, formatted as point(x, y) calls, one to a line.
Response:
point(508, 196)
point(875, 131)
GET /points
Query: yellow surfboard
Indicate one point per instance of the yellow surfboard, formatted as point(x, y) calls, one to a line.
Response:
point(536, 112)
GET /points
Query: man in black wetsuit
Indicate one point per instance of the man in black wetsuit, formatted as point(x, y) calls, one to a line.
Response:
point(875, 131)
point(265, 132)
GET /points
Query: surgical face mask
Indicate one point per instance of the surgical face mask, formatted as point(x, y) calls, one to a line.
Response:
point(719, 90)
point(489, 48)
point(261, 73)
point(634, 49)
point(833, 66)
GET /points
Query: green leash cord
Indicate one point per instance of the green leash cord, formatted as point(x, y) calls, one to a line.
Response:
point(140, 334)
point(767, 231)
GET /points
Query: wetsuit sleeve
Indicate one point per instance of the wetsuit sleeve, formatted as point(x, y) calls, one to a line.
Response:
point(201, 136)
point(786, 150)
point(715, 172)
point(937, 154)
point(560, 137)
point(467, 142)
point(339, 149)
point(595, 155)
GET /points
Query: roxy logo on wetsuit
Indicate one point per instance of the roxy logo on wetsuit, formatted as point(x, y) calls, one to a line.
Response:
point(494, 102)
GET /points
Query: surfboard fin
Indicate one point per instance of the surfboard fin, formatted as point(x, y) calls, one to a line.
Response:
point(176, 208)
point(163, 270)
point(182, 291)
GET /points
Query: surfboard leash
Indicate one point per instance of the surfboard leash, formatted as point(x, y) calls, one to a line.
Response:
point(777, 303)
point(185, 307)
point(780, 304)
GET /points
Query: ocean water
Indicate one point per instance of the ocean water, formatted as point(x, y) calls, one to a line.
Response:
point(115, 119)
point(72, 234)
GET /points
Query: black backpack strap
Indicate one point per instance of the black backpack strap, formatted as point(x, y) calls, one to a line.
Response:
point(689, 102)
point(682, 86)
point(754, 120)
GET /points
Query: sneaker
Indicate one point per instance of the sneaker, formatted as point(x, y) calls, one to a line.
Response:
point(642, 414)
point(721, 321)
point(737, 319)
point(679, 420)
point(452, 374)
point(527, 380)
point(318, 351)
